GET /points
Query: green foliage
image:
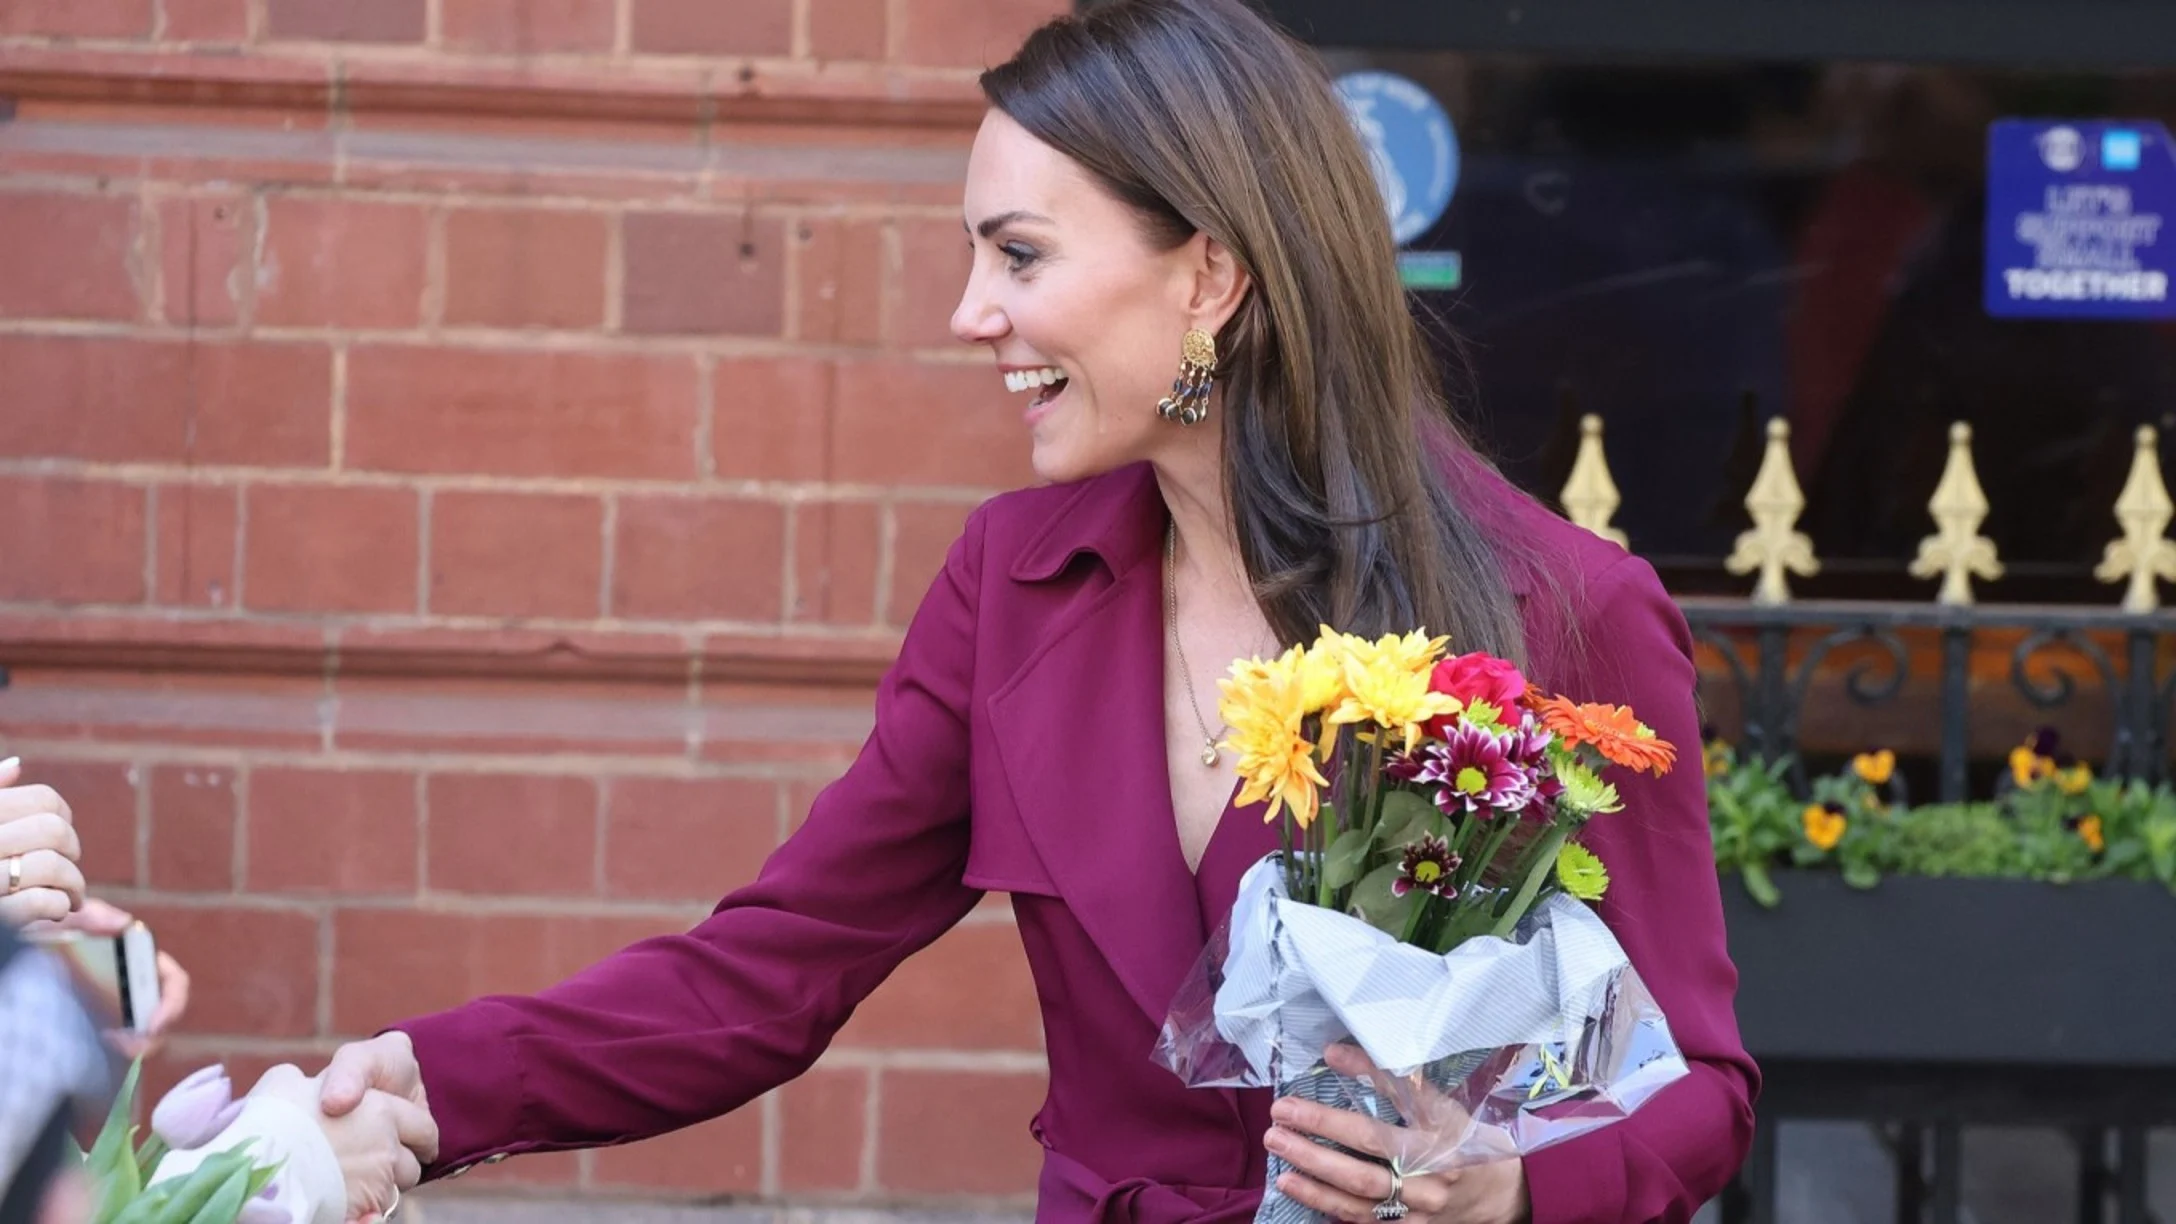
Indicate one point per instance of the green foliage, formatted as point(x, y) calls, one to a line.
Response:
point(120, 1170)
point(2050, 820)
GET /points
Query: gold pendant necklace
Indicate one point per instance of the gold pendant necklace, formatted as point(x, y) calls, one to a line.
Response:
point(1171, 618)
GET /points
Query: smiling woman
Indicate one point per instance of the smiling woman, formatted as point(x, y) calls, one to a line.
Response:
point(1181, 259)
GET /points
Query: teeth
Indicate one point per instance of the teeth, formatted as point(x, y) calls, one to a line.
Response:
point(1028, 380)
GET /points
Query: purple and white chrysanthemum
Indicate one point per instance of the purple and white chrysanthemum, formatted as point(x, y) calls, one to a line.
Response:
point(1428, 866)
point(1474, 772)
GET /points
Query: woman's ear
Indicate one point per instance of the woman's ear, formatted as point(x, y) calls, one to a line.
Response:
point(1220, 284)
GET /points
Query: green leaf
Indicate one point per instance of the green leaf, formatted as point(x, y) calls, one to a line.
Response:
point(226, 1204)
point(1348, 857)
point(1760, 885)
point(152, 1205)
point(112, 1162)
point(1861, 876)
point(189, 1194)
point(262, 1177)
point(1373, 903)
point(1406, 816)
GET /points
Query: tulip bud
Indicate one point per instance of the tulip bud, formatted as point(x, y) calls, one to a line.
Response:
point(262, 1210)
point(197, 1110)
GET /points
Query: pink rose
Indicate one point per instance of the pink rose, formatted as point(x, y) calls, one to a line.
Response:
point(1478, 677)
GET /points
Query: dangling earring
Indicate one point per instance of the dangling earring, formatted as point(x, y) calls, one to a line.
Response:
point(1188, 403)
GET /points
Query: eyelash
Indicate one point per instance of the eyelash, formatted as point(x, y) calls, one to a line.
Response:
point(1018, 257)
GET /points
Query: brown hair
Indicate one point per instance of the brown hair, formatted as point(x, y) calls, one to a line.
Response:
point(1339, 447)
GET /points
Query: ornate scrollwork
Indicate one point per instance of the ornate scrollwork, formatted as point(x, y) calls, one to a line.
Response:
point(1893, 658)
point(2062, 685)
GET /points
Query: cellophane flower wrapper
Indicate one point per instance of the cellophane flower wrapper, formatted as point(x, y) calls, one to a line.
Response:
point(1497, 1048)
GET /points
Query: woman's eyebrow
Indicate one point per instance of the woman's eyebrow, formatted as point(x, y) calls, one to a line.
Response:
point(990, 225)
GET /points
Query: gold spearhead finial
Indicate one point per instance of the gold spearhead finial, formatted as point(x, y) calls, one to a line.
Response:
point(1957, 552)
point(1590, 495)
point(1774, 546)
point(2143, 508)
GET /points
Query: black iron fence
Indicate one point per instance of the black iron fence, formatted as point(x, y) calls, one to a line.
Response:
point(1955, 681)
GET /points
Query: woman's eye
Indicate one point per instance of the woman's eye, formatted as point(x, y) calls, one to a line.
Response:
point(1018, 256)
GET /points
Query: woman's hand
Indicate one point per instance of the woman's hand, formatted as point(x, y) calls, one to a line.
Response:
point(374, 1142)
point(97, 918)
point(39, 879)
point(1348, 1188)
point(383, 1068)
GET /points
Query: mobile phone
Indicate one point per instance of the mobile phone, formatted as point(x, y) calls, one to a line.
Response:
point(117, 974)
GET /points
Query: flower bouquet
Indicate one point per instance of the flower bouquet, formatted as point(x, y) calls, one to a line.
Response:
point(131, 1187)
point(1431, 906)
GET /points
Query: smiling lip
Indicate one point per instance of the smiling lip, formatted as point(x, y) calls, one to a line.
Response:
point(1039, 408)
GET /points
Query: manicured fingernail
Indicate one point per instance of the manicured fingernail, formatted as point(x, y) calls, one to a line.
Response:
point(1274, 1141)
point(11, 762)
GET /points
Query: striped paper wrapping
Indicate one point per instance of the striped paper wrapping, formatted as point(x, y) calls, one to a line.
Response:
point(1492, 1050)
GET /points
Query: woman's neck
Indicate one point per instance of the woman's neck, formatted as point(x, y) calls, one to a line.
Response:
point(1192, 484)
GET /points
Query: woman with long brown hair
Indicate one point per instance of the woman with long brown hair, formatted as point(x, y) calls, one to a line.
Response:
point(1183, 266)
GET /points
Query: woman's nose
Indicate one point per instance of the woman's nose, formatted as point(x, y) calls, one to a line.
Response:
point(977, 319)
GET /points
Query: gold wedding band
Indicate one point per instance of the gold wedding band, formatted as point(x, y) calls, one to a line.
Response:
point(15, 874)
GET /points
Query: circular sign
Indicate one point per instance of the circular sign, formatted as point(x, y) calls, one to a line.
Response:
point(1411, 145)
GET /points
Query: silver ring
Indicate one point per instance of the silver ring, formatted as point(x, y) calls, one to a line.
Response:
point(1392, 1207)
point(15, 874)
point(392, 1207)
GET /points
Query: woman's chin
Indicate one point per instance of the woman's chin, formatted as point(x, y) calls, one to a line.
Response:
point(1057, 463)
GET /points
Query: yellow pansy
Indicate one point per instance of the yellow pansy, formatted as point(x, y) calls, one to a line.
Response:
point(1825, 825)
point(1874, 768)
point(2028, 767)
point(2089, 829)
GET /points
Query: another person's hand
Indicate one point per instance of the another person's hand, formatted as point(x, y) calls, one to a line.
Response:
point(100, 919)
point(373, 1142)
point(39, 879)
point(385, 1063)
point(1348, 1188)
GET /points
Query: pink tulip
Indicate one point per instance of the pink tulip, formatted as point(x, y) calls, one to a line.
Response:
point(197, 1110)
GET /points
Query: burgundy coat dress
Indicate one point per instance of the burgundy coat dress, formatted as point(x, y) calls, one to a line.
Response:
point(1018, 747)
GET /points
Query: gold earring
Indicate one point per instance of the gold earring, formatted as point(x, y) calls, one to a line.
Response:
point(1188, 403)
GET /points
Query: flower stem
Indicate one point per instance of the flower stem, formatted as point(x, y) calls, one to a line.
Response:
point(1291, 866)
point(1544, 862)
point(1471, 870)
point(1413, 920)
point(1350, 816)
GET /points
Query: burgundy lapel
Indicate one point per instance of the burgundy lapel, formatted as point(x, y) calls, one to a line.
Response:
point(1079, 730)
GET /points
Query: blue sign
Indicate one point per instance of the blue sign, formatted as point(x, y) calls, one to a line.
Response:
point(2075, 214)
point(1411, 145)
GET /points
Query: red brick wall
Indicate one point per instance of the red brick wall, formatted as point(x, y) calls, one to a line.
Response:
point(463, 465)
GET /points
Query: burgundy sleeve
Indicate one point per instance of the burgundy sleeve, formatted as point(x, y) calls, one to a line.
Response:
point(682, 1028)
point(1665, 906)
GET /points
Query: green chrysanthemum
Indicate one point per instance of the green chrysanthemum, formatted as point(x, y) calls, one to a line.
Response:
point(1581, 873)
point(1584, 791)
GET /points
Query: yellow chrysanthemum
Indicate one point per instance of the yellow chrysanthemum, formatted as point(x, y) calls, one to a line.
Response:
point(1386, 682)
point(1266, 705)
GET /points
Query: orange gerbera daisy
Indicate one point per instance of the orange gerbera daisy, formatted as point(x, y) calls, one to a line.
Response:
point(1613, 731)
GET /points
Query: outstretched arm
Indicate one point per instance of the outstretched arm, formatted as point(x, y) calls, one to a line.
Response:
point(682, 1028)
